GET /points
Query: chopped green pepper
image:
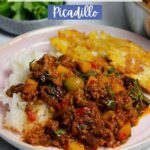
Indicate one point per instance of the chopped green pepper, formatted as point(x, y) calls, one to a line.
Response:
point(135, 92)
point(112, 70)
point(73, 83)
point(59, 132)
point(111, 101)
point(91, 73)
point(111, 104)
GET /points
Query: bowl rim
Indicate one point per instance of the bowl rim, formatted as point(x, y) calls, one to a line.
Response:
point(143, 5)
point(23, 21)
point(39, 31)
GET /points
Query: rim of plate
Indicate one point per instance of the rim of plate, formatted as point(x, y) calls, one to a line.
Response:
point(38, 31)
point(21, 37)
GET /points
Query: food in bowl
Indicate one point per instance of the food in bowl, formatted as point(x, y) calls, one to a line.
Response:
point(25, 10)
point(124, 55)
point(73, 101)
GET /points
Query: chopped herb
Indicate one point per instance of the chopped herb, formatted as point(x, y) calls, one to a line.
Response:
point(52, 94)
point(111, 101)
point(82, 126)
point(138, 97)
point(145, 99)
point(59, 132)
point(46, 73)
point(112, 70)
point(80, 74)
point(85, 75)
point(111, 104)
point(140, 106)
point(110, 91)
point(91, 73)
point(136, 91)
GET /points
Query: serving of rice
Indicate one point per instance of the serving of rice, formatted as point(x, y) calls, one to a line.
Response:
point(15, 118)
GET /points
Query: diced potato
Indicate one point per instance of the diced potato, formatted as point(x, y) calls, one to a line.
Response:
point(125, 132)
point(30, 86)
point(62, 69)
point(116, 87)
point(85, 66)
point(74, 145)
point(34, 66)
point(103, 81)
point(109, 114)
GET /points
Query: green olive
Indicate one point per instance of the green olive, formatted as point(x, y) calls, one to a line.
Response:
point(73, 83)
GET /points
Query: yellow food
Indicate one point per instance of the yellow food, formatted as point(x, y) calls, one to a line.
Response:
point(124, 55)
point(62, 69)
point(31, 86)
point(73, 83)
point(125, 131)
point(74, 145)
point(109, 114)
point(85, 66)
point(117, 86)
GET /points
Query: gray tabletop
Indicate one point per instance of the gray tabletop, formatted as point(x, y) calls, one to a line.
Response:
point(113, 15)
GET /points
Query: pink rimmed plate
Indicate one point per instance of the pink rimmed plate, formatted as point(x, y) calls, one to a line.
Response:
point(39, 40)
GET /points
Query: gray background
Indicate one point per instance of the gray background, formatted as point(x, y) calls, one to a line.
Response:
point(113, 15)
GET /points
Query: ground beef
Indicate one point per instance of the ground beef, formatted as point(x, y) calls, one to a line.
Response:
point(67, 61)
point(14, 89)
point(37, 136)
point(93, 107)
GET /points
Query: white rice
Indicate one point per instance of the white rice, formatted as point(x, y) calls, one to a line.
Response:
point(16, 118)
point(20, 65)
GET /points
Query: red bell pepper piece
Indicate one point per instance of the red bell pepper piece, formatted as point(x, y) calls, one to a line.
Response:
point(123, 136)
point(94, 65)
point(31, 115)
point(82, 111)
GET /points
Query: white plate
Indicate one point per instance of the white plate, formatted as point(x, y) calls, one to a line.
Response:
point(39, 40)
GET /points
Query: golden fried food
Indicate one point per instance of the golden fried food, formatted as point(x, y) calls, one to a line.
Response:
point(124, 55)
